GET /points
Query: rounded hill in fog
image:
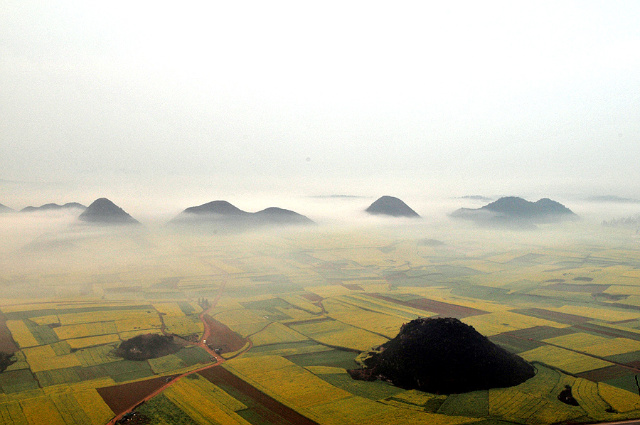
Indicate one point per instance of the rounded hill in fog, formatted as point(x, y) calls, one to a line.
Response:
point(513, 210)
point(391, 206)
point(227, 215)
point(103, 211)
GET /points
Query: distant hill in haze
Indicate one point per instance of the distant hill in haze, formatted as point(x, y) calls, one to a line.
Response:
point(391, 206)
point(103, 211)
point(225, 214)
point(5, 209)
point(512, 210)
point(54, 207)
point(613, 199)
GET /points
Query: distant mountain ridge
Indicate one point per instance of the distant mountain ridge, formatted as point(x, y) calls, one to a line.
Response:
point(226, 214)
point(391, 206)
point(103, 211)
point(54, 207)
point(514, 210)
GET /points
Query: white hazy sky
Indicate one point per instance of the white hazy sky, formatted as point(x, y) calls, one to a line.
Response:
point(490, 97)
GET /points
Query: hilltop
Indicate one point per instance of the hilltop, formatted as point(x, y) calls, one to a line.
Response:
point(227, 214)
point(55, 207)
point(444, 356)
point(518, 211)
point(103, 211)
point(5, 209)
point(389, 205)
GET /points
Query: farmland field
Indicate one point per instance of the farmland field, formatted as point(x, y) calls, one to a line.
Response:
point(286, 315)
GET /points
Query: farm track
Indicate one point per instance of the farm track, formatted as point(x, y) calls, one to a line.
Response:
point(202, 344)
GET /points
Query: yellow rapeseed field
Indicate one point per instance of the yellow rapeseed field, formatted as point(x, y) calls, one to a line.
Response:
point(44, 358)
point(564, 359)
point(338, 334)
point(92, 340)
point(21, 334)
point(505, 321)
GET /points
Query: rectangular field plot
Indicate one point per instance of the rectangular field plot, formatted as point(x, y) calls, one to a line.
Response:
point(45, 358)
point(21, 333)
point(372, 321)
point(566, 360)
point(276, 333)
point(338, 334)
point(261, 407)
point(204, 402)
point(596, 345)
point(506, 321)
point(286, 381)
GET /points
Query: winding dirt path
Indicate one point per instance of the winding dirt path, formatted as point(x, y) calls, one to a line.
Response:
point(202, 344)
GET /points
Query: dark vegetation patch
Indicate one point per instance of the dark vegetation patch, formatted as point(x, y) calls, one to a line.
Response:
point(15, 381)
point(6, 360)
point(263, 409)
point(353, 287)
point(20, 315)
point(160, 410)
point(583, 279)
point(537, 333)
point(513, 344)
point(445, 356)
point(474, 404)
point(566, 396)
point(147, 346)
point(334, 358)
point(223, 338)
point(438, 307)
point(7, 344)
point(371, 390)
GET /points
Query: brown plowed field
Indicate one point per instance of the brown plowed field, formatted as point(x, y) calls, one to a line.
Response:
point(438, 307)
point(268, 408)
point(119, 398)
point(7, 344)
point(314, 298)
point(606, 373)
point(222, 337)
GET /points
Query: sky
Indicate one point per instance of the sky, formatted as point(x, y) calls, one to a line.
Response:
point(201, 100)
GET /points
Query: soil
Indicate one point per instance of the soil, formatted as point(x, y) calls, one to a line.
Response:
point(439, 307)
point(119, 398)
point(268, 407)
point(147, 346)
point(223, 338)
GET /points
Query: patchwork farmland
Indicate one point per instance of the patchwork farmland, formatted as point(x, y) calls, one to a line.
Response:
point(268, 325)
